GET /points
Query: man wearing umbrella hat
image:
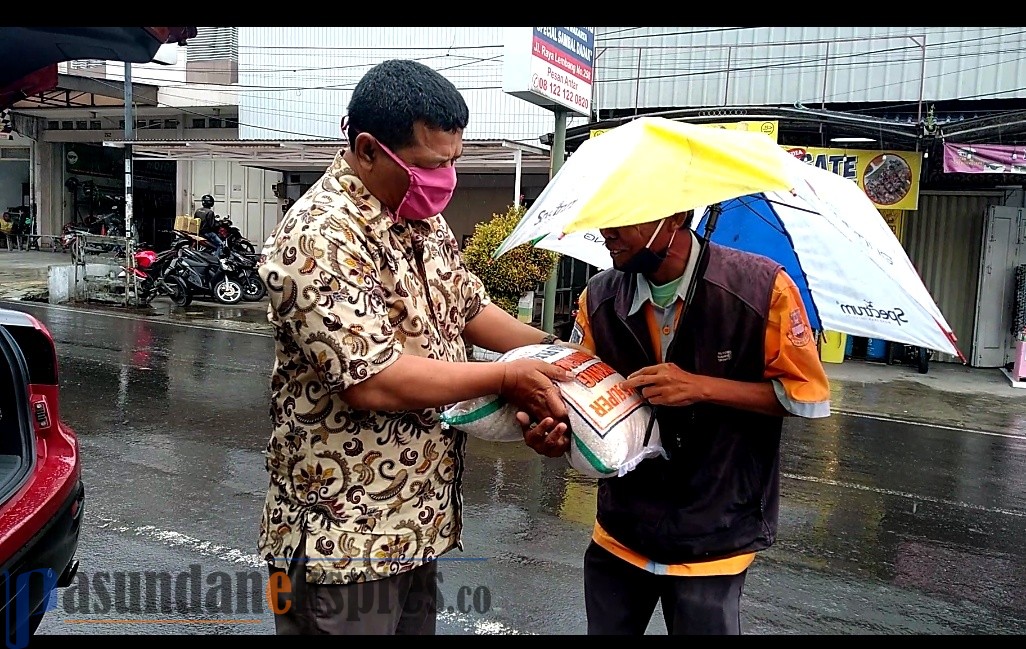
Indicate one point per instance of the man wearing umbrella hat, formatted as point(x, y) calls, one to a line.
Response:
point(719, 342)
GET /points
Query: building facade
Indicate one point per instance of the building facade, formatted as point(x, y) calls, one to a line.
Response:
point(844, 97)
point(251, 115)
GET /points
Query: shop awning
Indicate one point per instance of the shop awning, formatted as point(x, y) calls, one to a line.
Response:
point(479, 156)
point(31, 54)
point(81, 91)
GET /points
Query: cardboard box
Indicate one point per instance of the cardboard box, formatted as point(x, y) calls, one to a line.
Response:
point(187, 224)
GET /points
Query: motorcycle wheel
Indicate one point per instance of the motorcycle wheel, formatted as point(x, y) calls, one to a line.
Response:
point(923, 360)
point(253, 289)
point(228, 291)
point(177, 290)
point(143, 297)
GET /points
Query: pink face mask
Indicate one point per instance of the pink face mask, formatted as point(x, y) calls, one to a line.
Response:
point(429, 192)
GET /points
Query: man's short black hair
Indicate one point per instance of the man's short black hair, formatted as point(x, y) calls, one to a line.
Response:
point(395, 94)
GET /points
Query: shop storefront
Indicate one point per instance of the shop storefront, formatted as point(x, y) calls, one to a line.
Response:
point(15, 194)
point(94, 184)
point(890, 179)
point(944, 232)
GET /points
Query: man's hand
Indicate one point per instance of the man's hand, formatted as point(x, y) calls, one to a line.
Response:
point(548, 437)
point(529, 384)
point(668, 385)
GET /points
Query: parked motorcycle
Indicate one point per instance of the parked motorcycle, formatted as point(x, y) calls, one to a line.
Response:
point(253, 288)
point(911, 355)
point(108, 226)
point(204, 273)
point(232, 236)
point(149, 270)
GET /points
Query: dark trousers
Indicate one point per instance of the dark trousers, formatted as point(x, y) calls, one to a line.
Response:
point(620, 599)
point(400, 605)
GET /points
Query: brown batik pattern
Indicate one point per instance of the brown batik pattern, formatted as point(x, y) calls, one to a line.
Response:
point(351, 289)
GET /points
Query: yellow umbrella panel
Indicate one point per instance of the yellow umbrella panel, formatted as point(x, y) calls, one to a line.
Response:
point(661, 167)
point(648, 169)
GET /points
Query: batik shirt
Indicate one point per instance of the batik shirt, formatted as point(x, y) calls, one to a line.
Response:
point(351, 290)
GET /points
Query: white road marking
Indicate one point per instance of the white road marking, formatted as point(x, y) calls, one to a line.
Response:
point(125, 316)
point(157, 320)
point(208, 326)
point(924, 424)
point(903, 494)
point(232, 555)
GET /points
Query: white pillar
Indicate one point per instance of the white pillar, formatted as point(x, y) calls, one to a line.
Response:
point(517, 159)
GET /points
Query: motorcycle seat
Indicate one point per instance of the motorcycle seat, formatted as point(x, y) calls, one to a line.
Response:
point(206, 256)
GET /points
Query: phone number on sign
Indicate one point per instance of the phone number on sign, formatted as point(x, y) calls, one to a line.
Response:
point(553, 89)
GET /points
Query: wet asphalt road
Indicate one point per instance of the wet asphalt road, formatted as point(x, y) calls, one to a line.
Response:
point(885, 528)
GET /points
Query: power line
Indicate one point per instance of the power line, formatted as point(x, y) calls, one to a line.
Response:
point(346, 85)
point(793, 65)
point(616, 31)
point(792, 59)
point(682, 33)
point(306, 48)
point(361, 65)
point(811, 61)
point(799, 63)
point(260, 127)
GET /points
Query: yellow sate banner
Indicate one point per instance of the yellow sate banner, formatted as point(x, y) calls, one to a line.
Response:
point(889, 178)
point(896, 220)
point(763, 126)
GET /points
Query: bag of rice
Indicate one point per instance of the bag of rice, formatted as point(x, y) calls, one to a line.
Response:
point(612, 428)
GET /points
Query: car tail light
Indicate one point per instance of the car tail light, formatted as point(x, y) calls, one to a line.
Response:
point(41, 412)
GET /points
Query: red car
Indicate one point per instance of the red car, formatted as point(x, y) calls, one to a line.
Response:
point(41, 490)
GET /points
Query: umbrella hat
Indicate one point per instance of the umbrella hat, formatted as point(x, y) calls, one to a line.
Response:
point(850, 270)
point(649, 168)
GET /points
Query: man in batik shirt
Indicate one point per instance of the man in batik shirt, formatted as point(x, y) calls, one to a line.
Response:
point(371, 303)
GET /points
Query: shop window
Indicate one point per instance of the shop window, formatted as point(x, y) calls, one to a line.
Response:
point(53, 125)
point(231, 122)
point(198, 123)
point(153, 123)
point(67, 125)
point(216, 122)
point(171, 124)
point(81, 124)
point(95, 124)
point(121, 124)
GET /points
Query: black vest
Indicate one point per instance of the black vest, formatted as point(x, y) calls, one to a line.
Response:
point(718, 494)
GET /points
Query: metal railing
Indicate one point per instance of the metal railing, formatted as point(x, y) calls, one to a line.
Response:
point(102, 269)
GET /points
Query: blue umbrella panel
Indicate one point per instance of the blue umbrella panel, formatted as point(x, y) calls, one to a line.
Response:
point(750, 223)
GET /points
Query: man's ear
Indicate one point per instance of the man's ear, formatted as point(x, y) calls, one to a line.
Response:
point(680, 218)
point(365, 149)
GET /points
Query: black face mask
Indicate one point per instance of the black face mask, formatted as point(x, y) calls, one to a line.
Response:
point(645, 261)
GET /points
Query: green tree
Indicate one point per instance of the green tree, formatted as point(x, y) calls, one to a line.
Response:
point(510, 276)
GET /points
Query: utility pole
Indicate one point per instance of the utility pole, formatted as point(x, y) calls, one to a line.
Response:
point(557, 153)
point(129, 136)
